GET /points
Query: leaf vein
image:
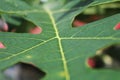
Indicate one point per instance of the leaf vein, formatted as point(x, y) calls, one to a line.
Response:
point(67, 75)
point(16, 54)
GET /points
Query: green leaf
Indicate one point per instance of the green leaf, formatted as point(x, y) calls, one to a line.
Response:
point(60, 50)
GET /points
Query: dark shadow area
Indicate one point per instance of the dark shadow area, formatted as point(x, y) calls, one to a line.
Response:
point(18, 25)
point(96, 13)
point(108, 57)
point(24, 71)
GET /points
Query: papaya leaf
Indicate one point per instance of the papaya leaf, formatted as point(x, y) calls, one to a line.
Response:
point(60, 50)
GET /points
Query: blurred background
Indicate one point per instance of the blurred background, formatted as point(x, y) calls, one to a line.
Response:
point(96, 12)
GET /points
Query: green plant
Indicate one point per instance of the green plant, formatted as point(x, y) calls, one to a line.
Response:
point(60, 50)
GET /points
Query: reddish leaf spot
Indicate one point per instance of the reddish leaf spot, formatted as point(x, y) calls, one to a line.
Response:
point(5, 27)
point(117, 27)
point(77, 23)
point(36, 30)
point(91, 63)
point(1, 45)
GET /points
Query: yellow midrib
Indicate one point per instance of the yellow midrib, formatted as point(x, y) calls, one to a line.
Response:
point(67, 75)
